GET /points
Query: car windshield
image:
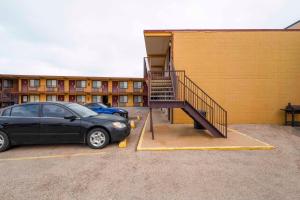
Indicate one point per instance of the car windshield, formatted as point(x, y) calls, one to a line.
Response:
point(102, 105)
point(81, 110)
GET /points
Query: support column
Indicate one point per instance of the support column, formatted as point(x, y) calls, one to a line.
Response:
point(151, 123)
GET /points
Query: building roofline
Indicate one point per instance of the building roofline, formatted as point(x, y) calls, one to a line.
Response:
point(292, 25)
point(213, 30)
point(68, 77)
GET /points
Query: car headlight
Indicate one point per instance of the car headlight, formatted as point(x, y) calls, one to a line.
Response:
point(119, 125)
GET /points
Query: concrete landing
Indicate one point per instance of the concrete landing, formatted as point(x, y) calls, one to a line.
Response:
point(185, 137)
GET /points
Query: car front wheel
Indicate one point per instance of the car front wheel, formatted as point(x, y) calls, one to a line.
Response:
point(97, 138)
point(4, 141)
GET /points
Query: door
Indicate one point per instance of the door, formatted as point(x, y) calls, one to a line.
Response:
point(56, 129)
point(61, 85)
point(72, 85)
point(24, 84)
point(115, 85)
point(145, 88)
point(23, 125)
point(145, 101)
point(104, 86)
point(114, 101)
point(61, 98)
point(72, 98)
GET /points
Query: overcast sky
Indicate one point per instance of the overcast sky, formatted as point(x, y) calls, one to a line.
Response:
point(105, 38)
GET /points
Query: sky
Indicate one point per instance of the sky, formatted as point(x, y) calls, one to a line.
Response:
point(105, 38)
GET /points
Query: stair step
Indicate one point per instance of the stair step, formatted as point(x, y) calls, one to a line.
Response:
point(160, 80)
point(162, 96)
point(161, 92)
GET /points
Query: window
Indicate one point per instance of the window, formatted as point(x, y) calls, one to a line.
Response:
point(24, 99)
point(55, 111)
point(6, 112)
point(25, 111)
point(137, 99)
point(81, 84)
point(80, 99)
point(123, 99)
point(8, 83)
point(34, 83)
point(123, 85)
point(96, 99)
point(34, 98)
point(81, 110)
point(137, 85)
point(51, 83)
point(97, 84)
point(51, 98)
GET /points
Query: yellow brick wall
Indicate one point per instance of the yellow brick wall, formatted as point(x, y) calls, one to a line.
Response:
point(252, 74)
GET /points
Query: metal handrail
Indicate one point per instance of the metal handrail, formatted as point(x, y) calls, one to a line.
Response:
point(186, 90)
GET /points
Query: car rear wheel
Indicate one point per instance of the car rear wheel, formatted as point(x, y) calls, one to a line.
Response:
point(4, 141)
point(97, 138)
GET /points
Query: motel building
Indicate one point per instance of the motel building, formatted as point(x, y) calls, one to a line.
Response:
point(119, 92)
point(221, 77)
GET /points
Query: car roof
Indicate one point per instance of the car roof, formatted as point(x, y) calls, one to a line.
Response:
point(39, 103)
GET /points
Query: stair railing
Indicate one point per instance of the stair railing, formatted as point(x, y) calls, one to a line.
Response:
point(188, 91)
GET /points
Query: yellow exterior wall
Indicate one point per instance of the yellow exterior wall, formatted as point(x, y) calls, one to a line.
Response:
point(252, 74)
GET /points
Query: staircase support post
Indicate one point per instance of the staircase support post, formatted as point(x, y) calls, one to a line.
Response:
point(151, 123)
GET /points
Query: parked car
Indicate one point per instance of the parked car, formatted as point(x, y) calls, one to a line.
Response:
point(59, 122)
point(101, 108)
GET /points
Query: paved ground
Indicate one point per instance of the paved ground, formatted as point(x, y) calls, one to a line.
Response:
point(115, 173)
point(185, 136)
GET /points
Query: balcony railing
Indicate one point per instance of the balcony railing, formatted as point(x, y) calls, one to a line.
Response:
point(121, 90)
point(78, 90)
point(100, 90)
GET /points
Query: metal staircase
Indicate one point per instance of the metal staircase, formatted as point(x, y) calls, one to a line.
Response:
point(173, 89)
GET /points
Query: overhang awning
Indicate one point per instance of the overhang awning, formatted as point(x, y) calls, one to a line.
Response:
point(157, 46)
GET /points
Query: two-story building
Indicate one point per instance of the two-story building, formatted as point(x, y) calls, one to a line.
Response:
point(117, 91)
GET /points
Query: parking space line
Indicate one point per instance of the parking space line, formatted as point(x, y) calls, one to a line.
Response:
point(52, 156)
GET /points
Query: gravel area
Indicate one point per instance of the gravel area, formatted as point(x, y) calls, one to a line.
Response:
point(126, 174)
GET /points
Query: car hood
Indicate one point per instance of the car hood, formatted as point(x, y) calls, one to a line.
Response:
point(109, 117)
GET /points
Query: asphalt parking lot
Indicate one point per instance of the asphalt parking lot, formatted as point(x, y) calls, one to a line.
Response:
point(77, 172)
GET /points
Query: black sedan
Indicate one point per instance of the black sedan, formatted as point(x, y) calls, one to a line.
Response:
point(59, 122)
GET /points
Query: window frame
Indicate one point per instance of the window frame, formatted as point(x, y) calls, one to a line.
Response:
point(96, 96)
point(34, 81)
point(51, 98)
point(24, 105)
point(51, 85)
point(34, 98)
point(80, 85)
point(96, 81)
point(66, 109)
point(137, 96)
point(81, 96)
point(123, 101)
point(134, 83)
point(122, 87)
point(8, 85)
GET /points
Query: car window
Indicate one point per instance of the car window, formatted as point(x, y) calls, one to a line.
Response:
point(6, 112)
point(25, 111)
point(55, 111)
point(81, 110)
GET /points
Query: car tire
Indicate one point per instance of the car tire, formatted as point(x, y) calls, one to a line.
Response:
point(117, 114)
point(4, 141)
point(97, 138)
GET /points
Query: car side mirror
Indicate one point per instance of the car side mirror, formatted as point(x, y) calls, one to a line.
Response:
point(71, 117)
